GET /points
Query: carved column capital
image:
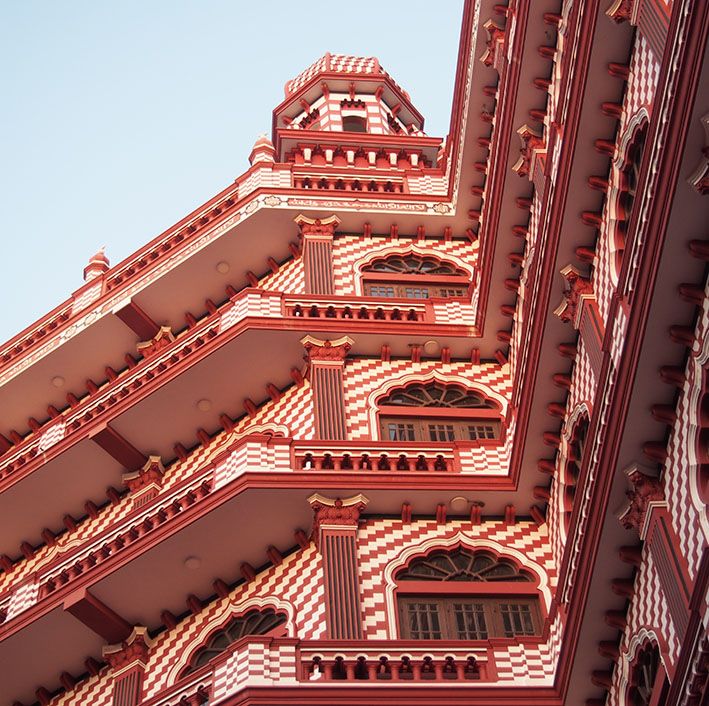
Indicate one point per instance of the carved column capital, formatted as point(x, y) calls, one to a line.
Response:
point(132, 651)
point(326, 351)
point(323, 228)
point(621, 10)
point(336, 512)
point(163, 338)
point(646, 490)
point(495, 39)
point(149, 475)
point(577, 289)
point(530, 142)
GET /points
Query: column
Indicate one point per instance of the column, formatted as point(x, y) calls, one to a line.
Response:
point(326, 361)
point(127, 661)
point(335, 530)
point(317, 235)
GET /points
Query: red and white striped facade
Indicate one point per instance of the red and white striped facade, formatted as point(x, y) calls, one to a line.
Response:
point(197, 434)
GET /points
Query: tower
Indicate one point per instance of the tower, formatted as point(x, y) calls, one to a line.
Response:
point(392, 417)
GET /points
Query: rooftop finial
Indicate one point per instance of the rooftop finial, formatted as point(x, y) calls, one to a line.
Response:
point(98, 264)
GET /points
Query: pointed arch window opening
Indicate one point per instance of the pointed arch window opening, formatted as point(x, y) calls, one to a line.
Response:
point(463, 594)
point(648, 683)
point(414, 276)
point(573, 467)
point(435, 412)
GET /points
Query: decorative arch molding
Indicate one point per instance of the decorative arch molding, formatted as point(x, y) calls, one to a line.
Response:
point(230, 611)
point(267, 429)
point(415, 551)
point(431, 376)
point(572, 419)
point(634, 125)
point(698, 374)
point(639, 641)
point(409, 249)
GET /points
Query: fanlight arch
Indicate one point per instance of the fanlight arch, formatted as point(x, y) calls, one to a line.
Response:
point(626, 172)
point(254, 621)
point(413, 264)
point(461, 563)
point(464, 593)
point(437, 394)
point(437, 411)
point(413, 273)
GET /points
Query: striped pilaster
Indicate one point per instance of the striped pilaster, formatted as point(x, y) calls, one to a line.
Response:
point(327, 360)
point(335, 528)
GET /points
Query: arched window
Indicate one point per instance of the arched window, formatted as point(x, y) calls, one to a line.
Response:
point(437, 412)
point(703, 440)
point(255, 622)
point(462, 594)
point(646, 677)
point(573, 466)
point(414, 276)
point(630, 178)
point(354, 123)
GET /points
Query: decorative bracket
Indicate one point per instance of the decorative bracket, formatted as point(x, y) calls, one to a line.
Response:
point(578, 288)
point(532, 142)
point(162, 339)
point(336, 513)
point(646, 491)
point(699, 179)
point(495, 39)
point(148, 477)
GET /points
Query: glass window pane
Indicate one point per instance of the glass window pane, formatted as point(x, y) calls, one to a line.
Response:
point(400, 431)
point(516, 619)
point(469, 621)
point(441, 432)
point(424, 621)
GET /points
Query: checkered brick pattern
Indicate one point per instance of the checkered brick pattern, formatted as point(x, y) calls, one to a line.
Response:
point(681, 471)
point(23, 597)
point(349, 253)
point(620, 324)
point(87, 297)
point(648, 612)
point(427, 184)
point(453, 312)
point(94, 691)
point(297, 581)
point(266, 176)
point(252, 456)
point(382, 541)
point(255, 664)
point(364, 378)
point(644, 74)
point(530, 665)
point(251, 303)
point(52, 436)
point(289, 279)
point(335, 62)
point(488, 460)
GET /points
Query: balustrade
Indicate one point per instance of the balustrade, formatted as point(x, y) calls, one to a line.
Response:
point(385, 668)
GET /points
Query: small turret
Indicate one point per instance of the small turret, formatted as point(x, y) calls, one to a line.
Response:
point(98, 265)
point(263, 151)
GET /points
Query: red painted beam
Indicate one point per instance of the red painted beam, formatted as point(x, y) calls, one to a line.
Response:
point(121, 449)
point(137, 320)
point(97, 616)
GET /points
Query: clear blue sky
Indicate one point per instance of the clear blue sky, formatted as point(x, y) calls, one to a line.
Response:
point(119, 117)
